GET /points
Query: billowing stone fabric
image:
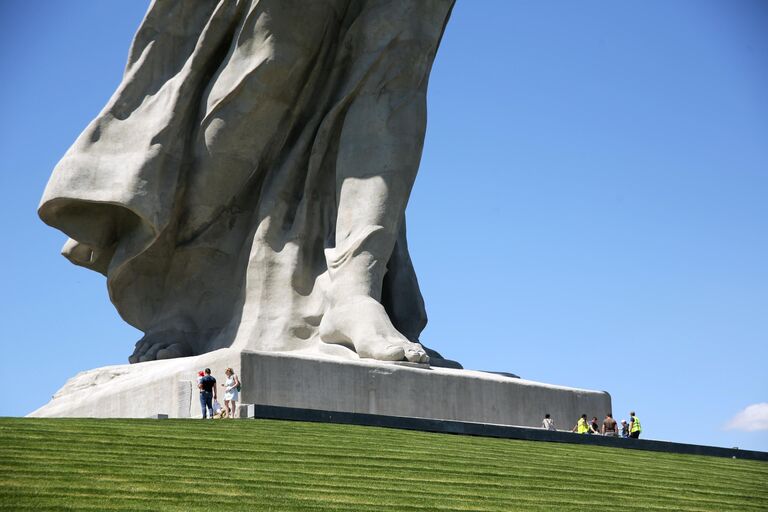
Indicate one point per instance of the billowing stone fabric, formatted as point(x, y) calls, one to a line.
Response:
point(246, 184)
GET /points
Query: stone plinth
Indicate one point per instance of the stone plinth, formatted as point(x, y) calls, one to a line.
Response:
point(314, 382)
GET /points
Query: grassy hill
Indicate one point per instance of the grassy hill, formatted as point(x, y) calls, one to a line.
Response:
point(78, 464)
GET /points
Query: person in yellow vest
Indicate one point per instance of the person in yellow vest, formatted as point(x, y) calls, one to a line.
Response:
point(634, 426)
point(581, 426)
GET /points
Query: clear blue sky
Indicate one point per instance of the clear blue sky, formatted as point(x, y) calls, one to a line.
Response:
point(591, 209)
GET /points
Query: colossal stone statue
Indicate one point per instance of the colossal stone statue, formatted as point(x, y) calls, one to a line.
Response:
point(246, 184)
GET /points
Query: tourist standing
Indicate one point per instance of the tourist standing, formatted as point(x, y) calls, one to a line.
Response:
point(594, 427)
point(231, 392)
point(207, 388)
point(610, 428)
point(581, 426)
point(548, 423)
point(634, 426)
point(624, 429)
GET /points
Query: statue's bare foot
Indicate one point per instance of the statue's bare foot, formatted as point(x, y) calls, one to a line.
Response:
point(362, 323)
point(161, 345)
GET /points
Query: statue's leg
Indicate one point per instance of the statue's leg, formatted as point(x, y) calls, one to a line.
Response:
point(379, 152)
point(378, 162)
point(400, 292)
point(245, 111)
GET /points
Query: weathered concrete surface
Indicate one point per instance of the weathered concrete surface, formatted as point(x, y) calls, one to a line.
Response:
point(304, 381)
point(409, 390)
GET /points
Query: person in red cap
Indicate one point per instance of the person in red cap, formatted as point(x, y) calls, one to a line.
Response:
point(207, 386)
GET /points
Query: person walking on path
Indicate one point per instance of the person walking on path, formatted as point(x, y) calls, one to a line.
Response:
point(548, 423)
point(231, 392)
point(609, 427)
point(207, 387)
point(634, 426)
point(581, 426)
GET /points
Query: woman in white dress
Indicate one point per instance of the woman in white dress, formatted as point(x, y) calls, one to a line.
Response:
point(231, 393)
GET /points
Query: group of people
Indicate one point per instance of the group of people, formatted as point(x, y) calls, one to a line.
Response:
point(609, 426)
point(206, 383)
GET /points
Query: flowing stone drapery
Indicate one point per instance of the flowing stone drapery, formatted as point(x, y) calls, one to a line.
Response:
point(246, 184)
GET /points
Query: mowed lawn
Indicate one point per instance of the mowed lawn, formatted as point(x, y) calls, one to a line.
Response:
point(186, 465)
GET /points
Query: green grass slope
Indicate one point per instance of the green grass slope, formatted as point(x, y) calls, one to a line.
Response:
point(78, 464)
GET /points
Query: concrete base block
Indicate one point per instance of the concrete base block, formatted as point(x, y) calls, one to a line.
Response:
point(317, 382)
point(246, 410)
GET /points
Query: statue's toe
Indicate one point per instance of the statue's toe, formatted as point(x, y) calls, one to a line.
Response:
point(390, 353)
point(416, 354)
point(151, 353)
point(140, 349)
point(172, 351)
point(164, 353)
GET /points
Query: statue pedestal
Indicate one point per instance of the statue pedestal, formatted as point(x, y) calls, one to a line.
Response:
point(317, 382)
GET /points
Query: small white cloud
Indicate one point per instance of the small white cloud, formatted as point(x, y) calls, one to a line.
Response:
point(753, 417)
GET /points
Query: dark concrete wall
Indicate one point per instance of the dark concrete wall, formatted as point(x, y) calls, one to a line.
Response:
point(503, 431)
